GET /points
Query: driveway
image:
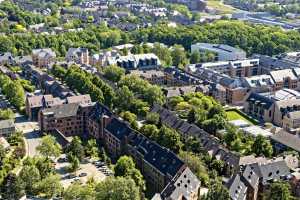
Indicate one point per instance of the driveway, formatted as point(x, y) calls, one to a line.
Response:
point(31, 134)
point(33, 140)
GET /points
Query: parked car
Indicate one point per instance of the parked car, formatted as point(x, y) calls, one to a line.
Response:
point(82, 174)
point(61, 160)
point(70, 176)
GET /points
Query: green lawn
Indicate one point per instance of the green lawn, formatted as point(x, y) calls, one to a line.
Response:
point(234, 115)
point(219, 6)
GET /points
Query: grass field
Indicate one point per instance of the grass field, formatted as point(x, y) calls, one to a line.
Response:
point(219, 6)
point(234, 115)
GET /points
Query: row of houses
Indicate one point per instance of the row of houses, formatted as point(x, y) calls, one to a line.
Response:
point(248, 175)
point(169, 177)
point(237, 87)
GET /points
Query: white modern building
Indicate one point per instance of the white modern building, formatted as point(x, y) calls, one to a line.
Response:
point(223, 52)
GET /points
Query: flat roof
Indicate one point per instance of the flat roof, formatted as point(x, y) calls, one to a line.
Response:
point(256, 130)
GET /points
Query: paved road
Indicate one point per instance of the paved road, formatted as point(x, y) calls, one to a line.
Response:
point(33, 139)
point(31, 134)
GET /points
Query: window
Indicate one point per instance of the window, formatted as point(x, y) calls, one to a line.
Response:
point(270, 174)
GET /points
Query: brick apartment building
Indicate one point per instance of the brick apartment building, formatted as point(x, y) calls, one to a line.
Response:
point(160, 167)
point(34, 104)
point(43, 57)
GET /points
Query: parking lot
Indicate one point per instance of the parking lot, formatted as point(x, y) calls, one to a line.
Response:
point(86, 171)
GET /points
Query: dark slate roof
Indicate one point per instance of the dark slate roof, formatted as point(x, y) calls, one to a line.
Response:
point(159, 157)
point(182, 76)
point(59, 90)
point(250, 177)
point(209, 143)
point(118, 128)
point(62, 111)
point(98, 111)
point(181, 187)
point(237, 189)
point(287, 139)
point(271, 171)
point(263, 99)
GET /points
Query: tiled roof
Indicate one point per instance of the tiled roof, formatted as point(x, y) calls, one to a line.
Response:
point(82, 99)
point(250, 177)
point(287, 139)
point(161, 158)
point(256, 97)
point(118, 128)
point(271, 171)
point(62, 111)
point(181, 187)
point(98, 111)
point(43, 100)
point(280, 75)
point(237, 189)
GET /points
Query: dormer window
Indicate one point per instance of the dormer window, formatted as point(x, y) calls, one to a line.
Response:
point(270, 174)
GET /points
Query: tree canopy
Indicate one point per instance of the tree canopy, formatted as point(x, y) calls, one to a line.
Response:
point(49, 147)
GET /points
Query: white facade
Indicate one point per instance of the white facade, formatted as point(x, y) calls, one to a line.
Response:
point(223, 52)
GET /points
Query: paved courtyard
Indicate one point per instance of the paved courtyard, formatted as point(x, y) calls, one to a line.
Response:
point(88, 168)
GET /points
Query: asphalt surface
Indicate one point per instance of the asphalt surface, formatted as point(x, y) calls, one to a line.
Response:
point(33, 140)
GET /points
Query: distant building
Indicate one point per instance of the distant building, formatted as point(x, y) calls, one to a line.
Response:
point(179, 91)
point(153, 76)
point(57, 89)
point(223, 52)
point(237, 68)
point(7, 127)
point(81, 99)
point(139, 61)
point(177, 77)
point(195, 5)
point(284, 78)
point(272, 106)
point(282, 141)
point(35, 103)
point(7, 59)
point(260, 83)
point(256, 178)
point(78, 55)
point(43, 57)
point(104, 58)
point(269, 63)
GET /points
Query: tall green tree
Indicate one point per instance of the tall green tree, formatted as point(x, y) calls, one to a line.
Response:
point(49, 147)
point(29, 178)
point(179, 56)
point(113, 73)
point(280, 191)
point(262, 146)
point(12, 188)
point(79, 192)
point(217, 192)
point(195, 57)
point(92, 148)
point(50, 186)
point(76, 148)
point(120, 188)
point(125, 167)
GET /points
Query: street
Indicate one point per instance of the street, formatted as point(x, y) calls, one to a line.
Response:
point(33, 139)
point(31, 134)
